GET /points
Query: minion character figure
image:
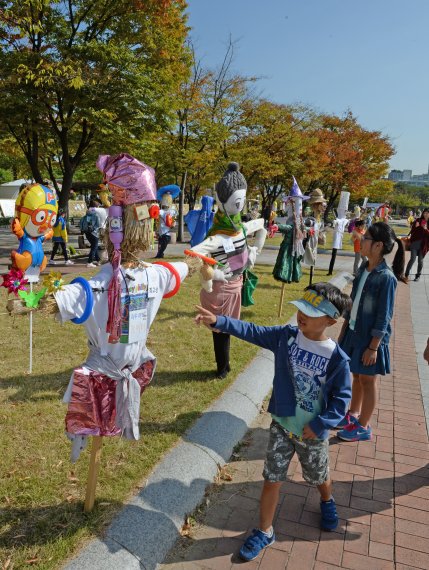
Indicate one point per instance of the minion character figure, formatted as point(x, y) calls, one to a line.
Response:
point(104, 195)
point(35, 215)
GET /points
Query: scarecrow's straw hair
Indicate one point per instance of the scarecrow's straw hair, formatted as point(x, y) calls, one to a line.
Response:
point(138, 235)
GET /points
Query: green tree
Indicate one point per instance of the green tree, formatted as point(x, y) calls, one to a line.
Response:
point(353, 157)
point(272, 145)
point(78, 74)
point(194, 151)
point(381, 190)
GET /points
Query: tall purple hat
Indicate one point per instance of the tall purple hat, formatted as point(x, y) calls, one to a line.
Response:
point(295, 191)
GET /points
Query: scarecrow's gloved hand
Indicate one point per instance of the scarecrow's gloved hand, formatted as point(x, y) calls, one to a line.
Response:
point(253, 252)
point(222, 273)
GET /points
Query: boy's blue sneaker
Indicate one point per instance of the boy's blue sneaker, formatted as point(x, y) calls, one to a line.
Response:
point(355, 432)
point(329, 520)
point(254, 543)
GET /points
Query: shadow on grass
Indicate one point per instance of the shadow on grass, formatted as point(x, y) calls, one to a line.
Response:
point(37, 387)
point(269, 286)
point(28, 526)
point(166, 378)
point(178, 425)
point(45, 387)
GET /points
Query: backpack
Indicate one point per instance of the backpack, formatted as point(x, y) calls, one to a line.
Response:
point(88, 223)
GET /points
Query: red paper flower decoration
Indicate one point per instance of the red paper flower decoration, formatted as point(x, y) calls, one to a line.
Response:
point(14, 281)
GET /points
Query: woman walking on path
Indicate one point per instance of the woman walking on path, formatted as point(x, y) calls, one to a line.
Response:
point(419, 237)
point(366, 330)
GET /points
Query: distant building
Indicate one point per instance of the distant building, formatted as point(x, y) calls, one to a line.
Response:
point(396, 175)
point(407, 177)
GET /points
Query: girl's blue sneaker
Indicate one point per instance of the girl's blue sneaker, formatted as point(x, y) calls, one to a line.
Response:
point(329, 519)
point(254, 543)
point(355, 432)
point(344, 422)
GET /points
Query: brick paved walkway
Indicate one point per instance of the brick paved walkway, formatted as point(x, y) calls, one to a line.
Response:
point(381, 489)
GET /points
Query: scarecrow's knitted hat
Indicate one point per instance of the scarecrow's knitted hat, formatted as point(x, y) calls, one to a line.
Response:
point(231, 181)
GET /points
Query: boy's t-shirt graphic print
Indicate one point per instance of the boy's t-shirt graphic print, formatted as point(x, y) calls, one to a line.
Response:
point(308, 360)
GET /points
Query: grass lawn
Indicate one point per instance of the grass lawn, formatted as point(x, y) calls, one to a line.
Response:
point(41, 516)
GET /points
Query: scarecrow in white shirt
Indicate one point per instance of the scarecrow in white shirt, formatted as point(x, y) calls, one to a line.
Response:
point(167, 216)
point(117, 307)
point(227, 243)
point(340, 224)
point(315, 227)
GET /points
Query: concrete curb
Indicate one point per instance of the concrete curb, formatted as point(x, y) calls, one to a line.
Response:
point(147, 527)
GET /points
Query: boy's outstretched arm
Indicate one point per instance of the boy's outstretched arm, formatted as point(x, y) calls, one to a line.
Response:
point(265, 337)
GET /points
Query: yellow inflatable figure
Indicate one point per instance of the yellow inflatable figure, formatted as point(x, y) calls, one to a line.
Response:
point(103, 194)
point(35, 215)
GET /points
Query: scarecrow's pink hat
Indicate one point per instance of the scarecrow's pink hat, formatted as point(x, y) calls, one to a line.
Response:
point(130, 181)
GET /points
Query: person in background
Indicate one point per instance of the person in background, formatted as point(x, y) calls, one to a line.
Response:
point(357, 233)
point(366, 329)
point(90, 226)
point(383, 212)
point(60, 239)
point(101, 214)
point(369, 218)
point(410, 218)
point(419, 237)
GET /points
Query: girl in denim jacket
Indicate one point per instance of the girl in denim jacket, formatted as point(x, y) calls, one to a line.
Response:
point(366, 330)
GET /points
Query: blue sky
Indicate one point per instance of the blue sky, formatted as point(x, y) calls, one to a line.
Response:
point(367, 55)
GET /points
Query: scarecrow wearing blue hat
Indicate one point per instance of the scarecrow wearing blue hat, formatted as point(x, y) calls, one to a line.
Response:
point(167, 216)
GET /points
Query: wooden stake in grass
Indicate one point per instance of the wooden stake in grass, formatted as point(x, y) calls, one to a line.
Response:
point(282, 294)
point(94, 466)
point(311, 275)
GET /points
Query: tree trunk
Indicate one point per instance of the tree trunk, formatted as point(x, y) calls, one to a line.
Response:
point(67, 183)
point(330, 205)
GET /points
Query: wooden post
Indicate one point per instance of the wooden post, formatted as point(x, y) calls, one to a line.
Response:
point(311, 275)
point(282, 294)
point(94, 466)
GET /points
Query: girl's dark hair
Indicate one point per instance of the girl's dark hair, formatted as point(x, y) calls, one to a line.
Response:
point(359, 223)
point(425, 210)
point(340, 300)
point(382, 232)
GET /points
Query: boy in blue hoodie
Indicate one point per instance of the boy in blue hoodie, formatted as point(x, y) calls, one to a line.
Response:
point(311, 393)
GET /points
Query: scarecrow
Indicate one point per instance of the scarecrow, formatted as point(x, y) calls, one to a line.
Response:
point(340, 224)
point(227, 242)
point(288, 263)
point(315, 229)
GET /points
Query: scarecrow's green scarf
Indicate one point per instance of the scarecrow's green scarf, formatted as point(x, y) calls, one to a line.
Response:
point(224, 224)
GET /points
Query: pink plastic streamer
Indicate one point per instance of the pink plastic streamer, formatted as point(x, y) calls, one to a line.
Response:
point(114, 319)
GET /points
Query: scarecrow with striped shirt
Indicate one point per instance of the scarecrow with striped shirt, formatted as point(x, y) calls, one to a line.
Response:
point(227, 243)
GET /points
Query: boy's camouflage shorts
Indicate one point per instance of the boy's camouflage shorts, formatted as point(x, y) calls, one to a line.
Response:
point(313, 454)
